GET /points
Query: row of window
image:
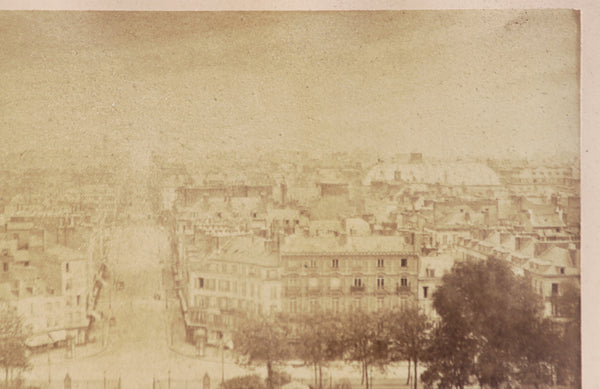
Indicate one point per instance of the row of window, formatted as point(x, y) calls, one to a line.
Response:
point(335, 263)
point(232, 286)
point(245, 270)
point(335, 306)
point(336, 283)
point(222, 303)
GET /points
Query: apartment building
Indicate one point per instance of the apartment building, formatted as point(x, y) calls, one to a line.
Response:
point(224, 281)
point(344, 273)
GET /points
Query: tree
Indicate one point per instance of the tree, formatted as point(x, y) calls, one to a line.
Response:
point(319, 341)
point(569, 355)
point(363, 337)
point(13, 350)
point(263, 339)
point(489, 329)
point(408, 333)
point(449, 356)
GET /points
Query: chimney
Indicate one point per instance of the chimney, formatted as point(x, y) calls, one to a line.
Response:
point(283, 187)
point(574, 255)
point(418, 243)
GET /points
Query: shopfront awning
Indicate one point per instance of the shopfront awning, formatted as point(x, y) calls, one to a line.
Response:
point(59, 335)
point(38, 340)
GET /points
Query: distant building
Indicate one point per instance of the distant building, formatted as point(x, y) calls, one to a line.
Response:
point(239, 275)
point(347, 273)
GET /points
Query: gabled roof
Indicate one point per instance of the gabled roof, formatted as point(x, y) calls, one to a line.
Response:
point(557, 256)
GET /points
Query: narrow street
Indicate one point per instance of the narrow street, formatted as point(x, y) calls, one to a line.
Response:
point(138, 348)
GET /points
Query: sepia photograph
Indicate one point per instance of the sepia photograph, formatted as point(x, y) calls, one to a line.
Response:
point(296, 199)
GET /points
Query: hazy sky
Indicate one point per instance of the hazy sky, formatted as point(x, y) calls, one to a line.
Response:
point(441, 82)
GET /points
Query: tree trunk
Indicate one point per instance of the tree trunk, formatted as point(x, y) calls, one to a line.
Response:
point(367, 375)
point(315, 371)
point(6, 377)
point(416, 375)
point(362, 373)
point(320, 377)
point(408, 376)
point(269, 375)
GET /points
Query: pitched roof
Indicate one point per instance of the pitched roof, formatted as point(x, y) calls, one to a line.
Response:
point(352, 244)
point(244, 249)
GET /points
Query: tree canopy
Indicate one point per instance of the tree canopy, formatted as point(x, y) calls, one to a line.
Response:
point(13, 350)
point(491, 327)
point(263, 339)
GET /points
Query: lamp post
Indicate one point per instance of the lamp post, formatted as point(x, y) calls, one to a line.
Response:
point(49, 368)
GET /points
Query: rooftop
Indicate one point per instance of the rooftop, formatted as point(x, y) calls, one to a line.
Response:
point(352, 244)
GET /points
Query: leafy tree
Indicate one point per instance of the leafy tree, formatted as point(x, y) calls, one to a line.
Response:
point(364, 340)
point(13, 350)
point(489, 329)
point(319, 341)
point(408, 333)
point(263, 339)
point(449, 356)
point(569, 345)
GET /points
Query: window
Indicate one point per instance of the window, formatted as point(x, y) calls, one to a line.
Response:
point(78, 299)
point(313, 283)
point(380, 283)
point(335, 263)
point(403, 262)
point(5, 266)
point(223, 285)
point(199, 283)
point(380, 262)
point(210, 284)
point(562, 270)
point(335, 305)
point(335, 283)
point(430, 272)
point(554, 289)
point(425, 291)
point(403, 281)
point(67, 267)
point(293, 306)
point(313, 263)
point(358, 282)
point(379, 304)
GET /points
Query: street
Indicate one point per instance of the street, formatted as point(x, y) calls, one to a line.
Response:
point(137, 348)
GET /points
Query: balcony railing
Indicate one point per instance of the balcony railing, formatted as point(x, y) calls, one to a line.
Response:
point(357, 289)
point(403, 290)
point(292, 290)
